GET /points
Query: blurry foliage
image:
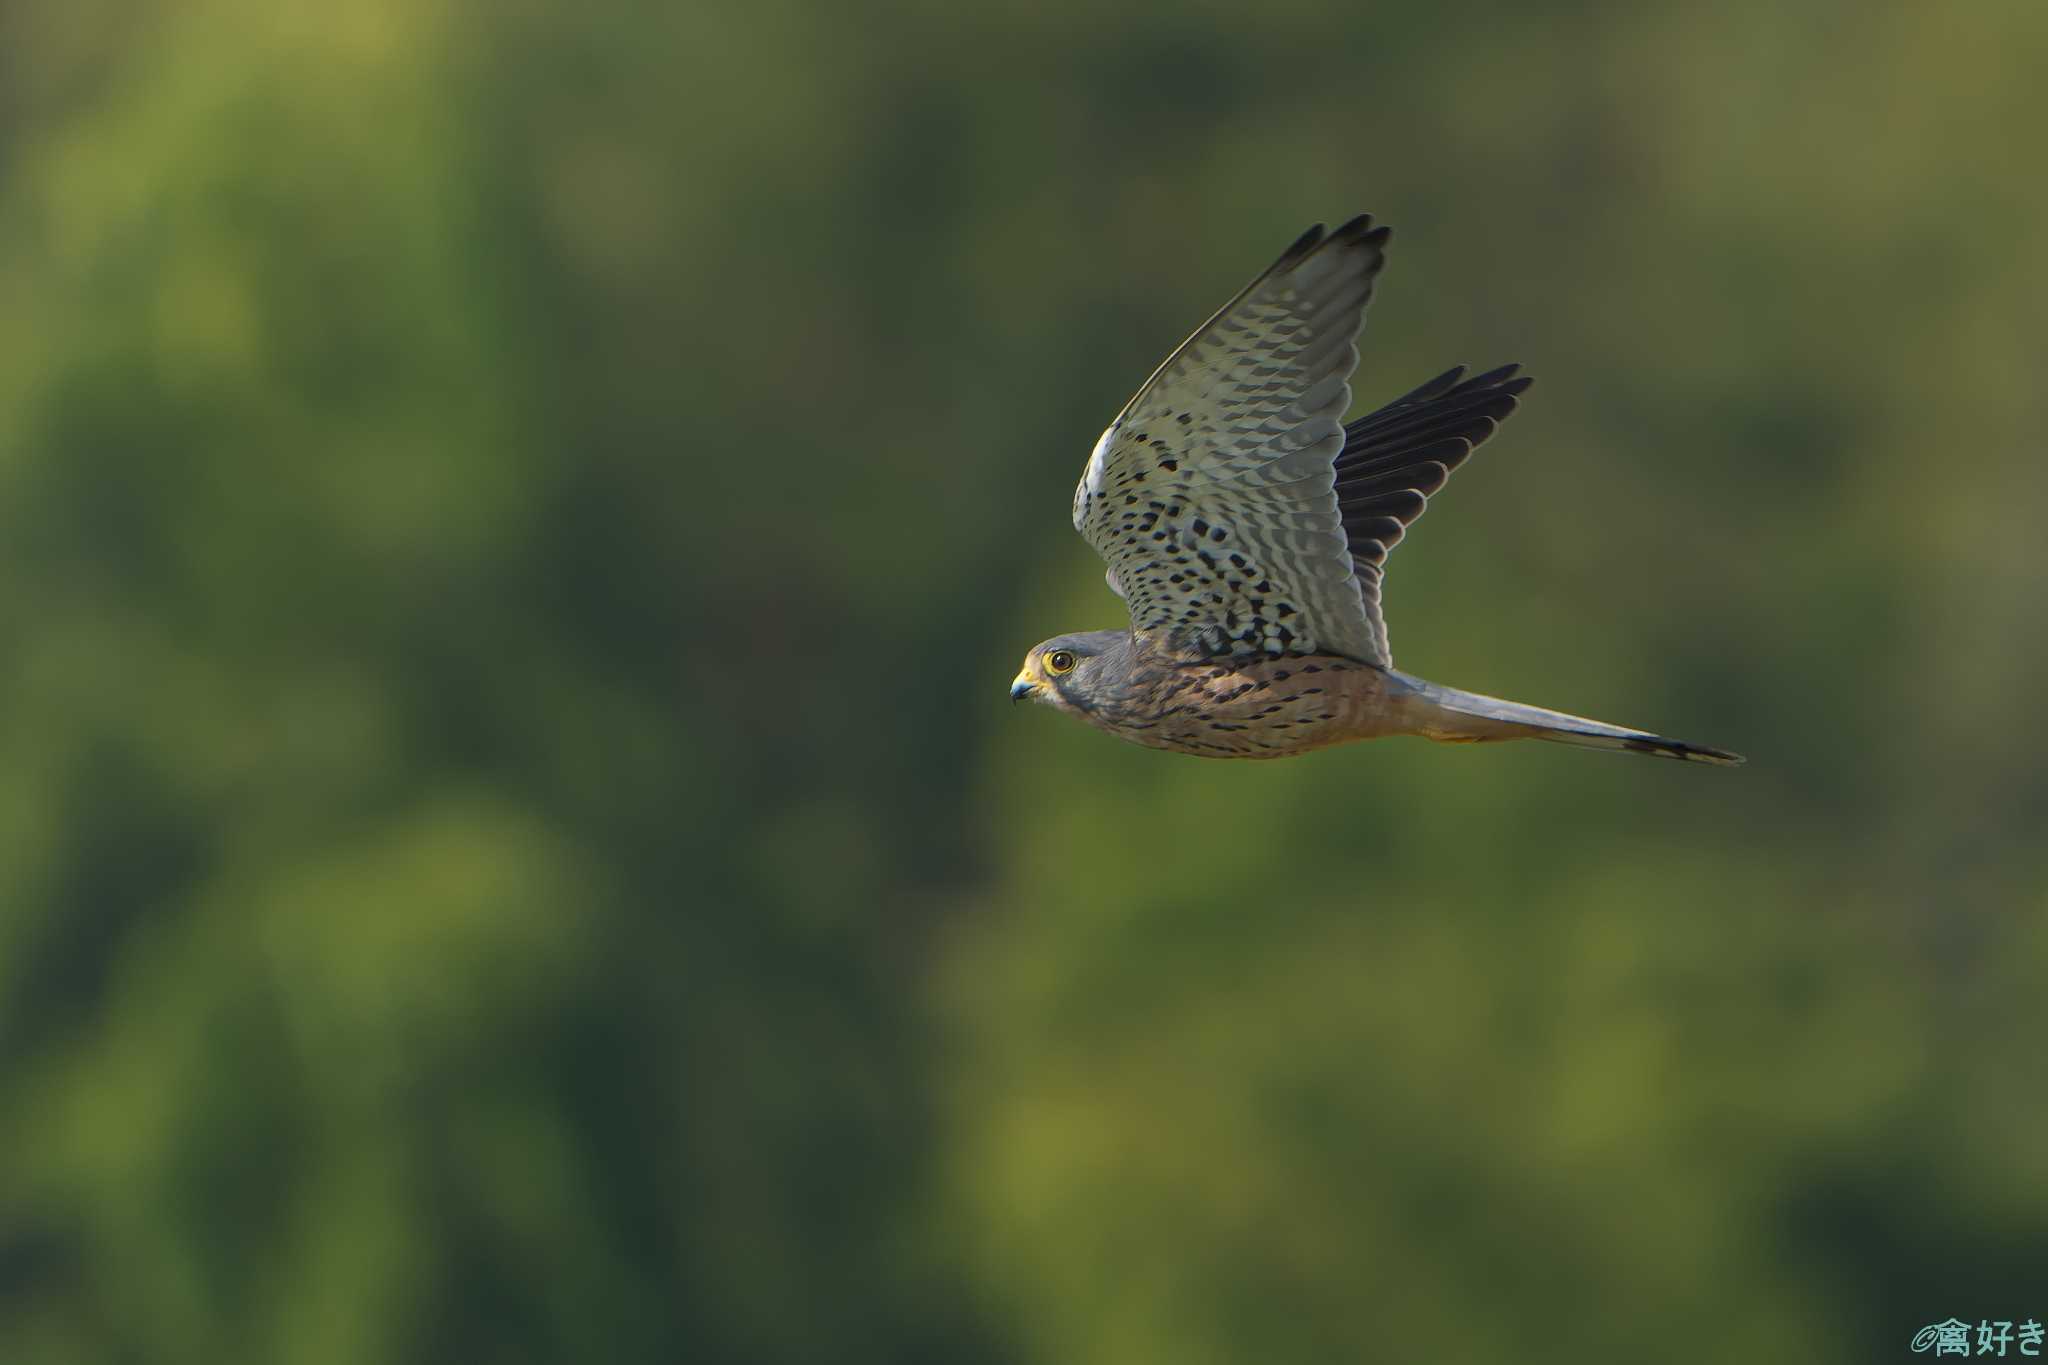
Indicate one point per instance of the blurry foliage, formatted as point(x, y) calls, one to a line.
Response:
point(514, 524)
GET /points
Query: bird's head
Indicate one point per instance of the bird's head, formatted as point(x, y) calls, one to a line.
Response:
point(1071, 672)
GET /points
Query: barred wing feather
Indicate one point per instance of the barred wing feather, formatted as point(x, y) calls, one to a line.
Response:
point(1213, 494)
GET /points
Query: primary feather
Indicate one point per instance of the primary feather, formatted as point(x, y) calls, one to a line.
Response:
point(1212, 495)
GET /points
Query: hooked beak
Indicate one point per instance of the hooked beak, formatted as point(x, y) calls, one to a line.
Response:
point(1022, 688)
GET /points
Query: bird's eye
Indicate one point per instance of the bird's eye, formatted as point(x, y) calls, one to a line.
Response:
point(1059, 661)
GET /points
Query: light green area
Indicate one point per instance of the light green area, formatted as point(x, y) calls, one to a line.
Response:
point(516, 521)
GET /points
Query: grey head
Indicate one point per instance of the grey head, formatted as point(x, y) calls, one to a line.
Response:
point(1078, 673)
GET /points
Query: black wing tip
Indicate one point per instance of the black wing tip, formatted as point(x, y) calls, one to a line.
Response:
point(1361, 225)
point(1357, 237)
point(1400, 428)
point(1508, 377)
point(1304, 244)
point(1505, 381)
point(1358, 230)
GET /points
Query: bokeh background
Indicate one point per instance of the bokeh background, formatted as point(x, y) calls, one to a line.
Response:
point(516, 521)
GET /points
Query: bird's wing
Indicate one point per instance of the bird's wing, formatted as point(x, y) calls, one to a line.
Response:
point(1393, 459)
point(1212, 495)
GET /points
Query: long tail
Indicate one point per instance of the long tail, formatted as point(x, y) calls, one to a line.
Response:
point(1451, 715)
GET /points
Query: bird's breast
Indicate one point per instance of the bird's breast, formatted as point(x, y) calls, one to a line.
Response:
point(1252, 708)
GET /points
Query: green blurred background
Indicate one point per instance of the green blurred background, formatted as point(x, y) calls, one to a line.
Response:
point(516, 521)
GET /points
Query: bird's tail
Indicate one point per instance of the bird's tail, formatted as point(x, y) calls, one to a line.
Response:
point(1447, 714)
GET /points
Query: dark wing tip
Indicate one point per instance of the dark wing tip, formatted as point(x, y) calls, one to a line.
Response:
point(1503, 382)
point(1356, 241)
point(1357, 232)
point(1361, 226)
point(1303, 245)
point(1435, 388)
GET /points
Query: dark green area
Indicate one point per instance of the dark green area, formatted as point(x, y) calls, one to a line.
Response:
point(516, 522)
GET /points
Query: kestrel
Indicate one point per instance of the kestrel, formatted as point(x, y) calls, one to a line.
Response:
point(1246, 527)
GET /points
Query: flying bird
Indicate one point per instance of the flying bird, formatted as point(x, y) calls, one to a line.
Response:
point(1247, 527)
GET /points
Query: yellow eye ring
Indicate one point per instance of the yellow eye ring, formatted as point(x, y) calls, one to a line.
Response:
point(1059, 661)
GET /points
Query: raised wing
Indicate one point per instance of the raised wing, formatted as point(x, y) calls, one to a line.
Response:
point(1213, 494)
point(1393, 459)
